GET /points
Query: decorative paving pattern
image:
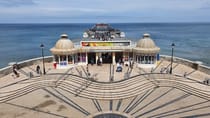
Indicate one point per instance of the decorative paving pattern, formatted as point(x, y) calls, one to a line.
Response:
point(70, 94)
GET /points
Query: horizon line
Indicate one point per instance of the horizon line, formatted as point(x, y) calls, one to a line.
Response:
point(98, 22)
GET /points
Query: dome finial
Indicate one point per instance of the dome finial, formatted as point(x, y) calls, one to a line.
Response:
point(146, 35)
point(64, 36)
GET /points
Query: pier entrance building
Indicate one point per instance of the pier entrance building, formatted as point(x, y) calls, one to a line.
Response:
point(144, 54)
point(110, 47)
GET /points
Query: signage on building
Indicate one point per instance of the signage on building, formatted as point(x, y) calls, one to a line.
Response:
point(102, 43)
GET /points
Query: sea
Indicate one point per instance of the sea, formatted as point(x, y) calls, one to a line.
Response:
point(20, 42)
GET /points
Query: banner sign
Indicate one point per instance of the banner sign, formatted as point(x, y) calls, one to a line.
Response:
point(93, 44)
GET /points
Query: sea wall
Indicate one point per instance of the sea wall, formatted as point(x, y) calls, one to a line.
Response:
point(5, 71)
point(34, 61)
point(193, 64)
point(8, 69)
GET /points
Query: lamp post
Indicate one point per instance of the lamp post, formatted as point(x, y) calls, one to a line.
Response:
point(42, 47)
point(172, 54)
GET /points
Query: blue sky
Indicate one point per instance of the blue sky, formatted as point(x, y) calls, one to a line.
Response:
point(92, 11)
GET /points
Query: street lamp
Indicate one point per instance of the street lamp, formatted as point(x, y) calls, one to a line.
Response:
point(42, 47)
point(172, 54)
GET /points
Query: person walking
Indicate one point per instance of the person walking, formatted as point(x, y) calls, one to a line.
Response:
point(14, 68)
point(38, 69)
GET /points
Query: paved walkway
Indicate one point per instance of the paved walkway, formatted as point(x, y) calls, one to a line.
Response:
point(133, 93)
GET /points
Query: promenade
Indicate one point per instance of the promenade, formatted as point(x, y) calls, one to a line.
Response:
point(90, 91)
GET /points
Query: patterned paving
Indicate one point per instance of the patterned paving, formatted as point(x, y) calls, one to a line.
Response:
point(70, 94)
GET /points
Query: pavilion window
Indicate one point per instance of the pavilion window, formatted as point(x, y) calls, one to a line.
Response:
point(153, 59)
point(150, 60)
point(63, 58)
point(147, 59)
point(138, 58)
point(70, 59)
point(83, 57)
point(142, 60)
point(79, 57)
point(56, 58)
point(76, 58)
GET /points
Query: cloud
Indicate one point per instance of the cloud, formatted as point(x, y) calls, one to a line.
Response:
point(16, 3)
point(103, 10)
point(72, 9)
